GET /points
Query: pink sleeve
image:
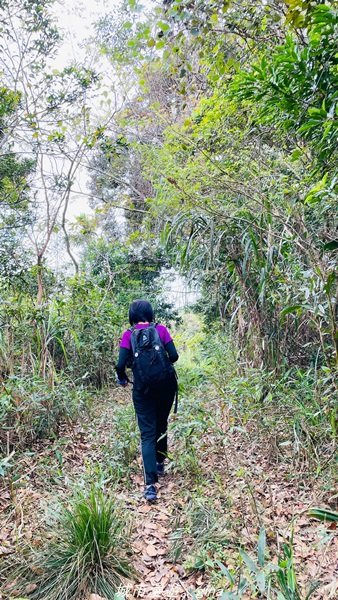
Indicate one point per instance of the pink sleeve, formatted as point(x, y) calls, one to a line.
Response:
point(125, 340)
point(164, 334)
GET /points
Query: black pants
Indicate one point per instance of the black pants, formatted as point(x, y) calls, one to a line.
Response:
point(152, 407)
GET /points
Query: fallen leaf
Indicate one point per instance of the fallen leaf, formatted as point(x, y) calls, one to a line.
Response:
point(5, 550)
point(151, 525)
point(145, 508)
point(151, 550)
point(162, 517)
point(329, 590)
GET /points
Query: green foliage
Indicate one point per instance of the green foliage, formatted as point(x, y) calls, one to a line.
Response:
point(286, 575)
point(295, 88)
point(31, 408)
point(52, 354)
point(299, 406)
point(122, 447)
point(244, 166)
point(125, 273)
point(262, 578)
point(232, 401)
point(223, 161)
point(14, 201)
point(323, 514)
point(6, 464)
point(190, 338)
point(8, 102)
point(88, 323)
point(297, 410)
point(87, 555)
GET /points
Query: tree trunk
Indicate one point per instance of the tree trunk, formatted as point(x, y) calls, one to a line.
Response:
point(41, 290)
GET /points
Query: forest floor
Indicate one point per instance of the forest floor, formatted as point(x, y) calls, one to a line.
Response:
point(210, 503)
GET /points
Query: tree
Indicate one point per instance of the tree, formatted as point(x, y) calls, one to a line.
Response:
point(52, 120)
point(14, 198)
point(236, 172)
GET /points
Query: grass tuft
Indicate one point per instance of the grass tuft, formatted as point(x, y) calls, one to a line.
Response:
point(88, 555)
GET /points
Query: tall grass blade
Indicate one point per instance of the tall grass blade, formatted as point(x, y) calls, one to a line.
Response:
point(261, 546)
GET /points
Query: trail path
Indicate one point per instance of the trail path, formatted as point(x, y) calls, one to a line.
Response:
point(245, 482)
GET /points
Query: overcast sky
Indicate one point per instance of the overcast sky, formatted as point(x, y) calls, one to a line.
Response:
point(75, 21)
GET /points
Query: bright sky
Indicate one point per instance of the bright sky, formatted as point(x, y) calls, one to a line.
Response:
point(75, 21)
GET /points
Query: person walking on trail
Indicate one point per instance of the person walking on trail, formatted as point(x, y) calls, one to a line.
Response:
point(149, 349)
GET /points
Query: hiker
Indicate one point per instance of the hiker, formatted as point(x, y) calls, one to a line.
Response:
point(149, 349)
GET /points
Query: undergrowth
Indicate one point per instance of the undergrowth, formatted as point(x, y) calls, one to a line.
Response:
point(32, 408)
point(117, 451)
point(290, 417)
point(297, 408)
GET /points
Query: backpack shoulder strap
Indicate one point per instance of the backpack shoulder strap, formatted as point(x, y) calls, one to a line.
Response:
point(157, 336)
point(132, 338)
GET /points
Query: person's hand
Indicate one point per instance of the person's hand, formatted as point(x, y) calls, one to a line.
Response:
point(123, 382)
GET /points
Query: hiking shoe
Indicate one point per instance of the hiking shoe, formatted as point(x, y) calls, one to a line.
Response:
point(150, 493)
point(160, 469)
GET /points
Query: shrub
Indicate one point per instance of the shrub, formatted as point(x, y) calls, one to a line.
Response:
point(30, 408)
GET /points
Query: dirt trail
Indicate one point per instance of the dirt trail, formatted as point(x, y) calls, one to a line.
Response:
point(264, 496)
point(253, 489)
point(159, 577)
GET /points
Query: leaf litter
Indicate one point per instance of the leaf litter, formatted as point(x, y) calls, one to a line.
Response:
point(250, 488)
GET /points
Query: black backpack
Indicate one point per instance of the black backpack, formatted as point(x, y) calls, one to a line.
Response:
point(151, 364)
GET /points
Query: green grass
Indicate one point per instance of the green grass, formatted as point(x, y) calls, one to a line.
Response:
point(200, 534)
point(89, 553)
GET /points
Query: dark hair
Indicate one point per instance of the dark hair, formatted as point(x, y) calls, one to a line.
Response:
point(140, 310)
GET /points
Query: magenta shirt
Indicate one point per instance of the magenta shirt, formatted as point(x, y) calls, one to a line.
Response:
point(162, 331)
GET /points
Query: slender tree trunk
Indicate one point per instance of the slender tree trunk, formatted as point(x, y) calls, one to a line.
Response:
point(41, 290)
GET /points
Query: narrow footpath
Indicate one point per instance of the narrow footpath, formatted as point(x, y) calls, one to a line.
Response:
point(246, 486)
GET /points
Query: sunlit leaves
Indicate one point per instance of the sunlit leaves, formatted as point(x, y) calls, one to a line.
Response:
point(295, 89)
